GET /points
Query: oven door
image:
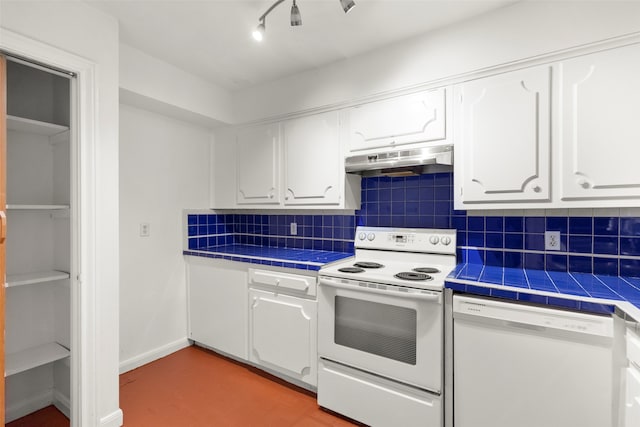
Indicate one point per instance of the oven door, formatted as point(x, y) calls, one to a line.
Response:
point(389, 333)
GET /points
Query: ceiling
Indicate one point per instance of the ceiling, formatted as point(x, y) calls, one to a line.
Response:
point(212, 38)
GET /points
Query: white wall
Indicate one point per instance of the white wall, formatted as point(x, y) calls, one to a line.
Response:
point(523, 30)
point(155, 85)
point(86, 32)
point(164, 168)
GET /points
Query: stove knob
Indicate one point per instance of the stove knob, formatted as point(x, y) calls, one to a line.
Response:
point(445, 240)
point(434, 240)
point(371, 236)
point(362, 236)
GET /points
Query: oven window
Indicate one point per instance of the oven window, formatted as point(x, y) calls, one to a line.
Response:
point(381, 329)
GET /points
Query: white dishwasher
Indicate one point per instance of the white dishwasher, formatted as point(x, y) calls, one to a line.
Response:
point(518, 365)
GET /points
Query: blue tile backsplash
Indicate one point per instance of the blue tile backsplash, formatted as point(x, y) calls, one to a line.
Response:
point(595, 244)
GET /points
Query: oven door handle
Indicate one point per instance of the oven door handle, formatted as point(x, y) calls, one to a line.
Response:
point(432, 296)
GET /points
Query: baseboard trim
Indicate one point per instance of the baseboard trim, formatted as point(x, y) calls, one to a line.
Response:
point(62, 402)
point(114, 419)
point(155, 354)
point(27, 406)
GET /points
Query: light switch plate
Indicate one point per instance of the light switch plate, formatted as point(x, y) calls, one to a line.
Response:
point(552, 240)
point(145, 229)
point(294, 228)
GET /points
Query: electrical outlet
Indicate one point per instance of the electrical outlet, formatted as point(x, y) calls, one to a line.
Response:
point(294, 228)
point(145, 229)
point(552, 240)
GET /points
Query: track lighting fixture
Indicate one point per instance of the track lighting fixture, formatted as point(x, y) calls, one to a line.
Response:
point(296, 17)
point(347, 5)
point(258, 33)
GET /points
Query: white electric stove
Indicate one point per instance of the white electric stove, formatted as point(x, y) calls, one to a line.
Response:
point(380, 327)
point(406, 257)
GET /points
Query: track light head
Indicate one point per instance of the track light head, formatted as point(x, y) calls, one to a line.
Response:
point(258, 33)
point(347, 5)
point(296, 18)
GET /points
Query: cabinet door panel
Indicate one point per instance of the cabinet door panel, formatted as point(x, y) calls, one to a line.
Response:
point(632, 398)
point(217, 313)
point(283, 334)
point(504, 135)
point(313, 159)
point(600, 135)
point(258, 163)
point(396, 121)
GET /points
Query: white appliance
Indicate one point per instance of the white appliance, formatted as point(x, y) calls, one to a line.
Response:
point(632, 379)
point(380, 327)
point(530, 366)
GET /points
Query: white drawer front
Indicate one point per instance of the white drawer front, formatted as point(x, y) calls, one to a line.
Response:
point(374, 400)
point(293, 282)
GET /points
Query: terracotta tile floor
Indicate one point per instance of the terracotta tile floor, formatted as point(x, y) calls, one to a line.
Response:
point(46, 417)
point(197, 388)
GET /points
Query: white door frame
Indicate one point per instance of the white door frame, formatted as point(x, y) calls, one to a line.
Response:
point(84, 378)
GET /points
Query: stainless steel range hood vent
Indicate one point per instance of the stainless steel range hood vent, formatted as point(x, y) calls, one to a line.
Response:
point(402, 162)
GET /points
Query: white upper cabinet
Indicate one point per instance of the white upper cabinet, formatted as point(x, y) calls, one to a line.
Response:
point(297, 164)
point(417, 117)
point(551, 136)
point(314, 171)
point(258, 165)
point(600, 137)
point(502, 137)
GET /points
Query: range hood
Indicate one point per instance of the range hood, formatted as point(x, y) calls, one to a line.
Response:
point(406, 162)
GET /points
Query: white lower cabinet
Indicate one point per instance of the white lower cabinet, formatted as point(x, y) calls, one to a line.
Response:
point(282, 334)
point(217, 305)
point(632, 403)
point(632, 390)
point(277, 328)
point(283, 328)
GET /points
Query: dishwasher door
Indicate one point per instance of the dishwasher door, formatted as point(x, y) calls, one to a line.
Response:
point(518, 365)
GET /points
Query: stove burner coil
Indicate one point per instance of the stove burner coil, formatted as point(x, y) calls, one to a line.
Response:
point(428, 270)
point(366, 264)
point(351, 270)
point(411, 275)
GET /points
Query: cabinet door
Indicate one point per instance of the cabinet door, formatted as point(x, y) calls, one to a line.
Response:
point(3, 216)
point(632, 398)
point(600, 135)
point(503, 137)
point(314, 171)
point(416, 117)
point(258, 164)
point(217, 308)
point(283, 334)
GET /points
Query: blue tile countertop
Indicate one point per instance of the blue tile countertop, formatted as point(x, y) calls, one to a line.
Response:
point(571, 290)
point(303, 259)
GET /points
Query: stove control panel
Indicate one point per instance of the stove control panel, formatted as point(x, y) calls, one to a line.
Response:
point(407, 239)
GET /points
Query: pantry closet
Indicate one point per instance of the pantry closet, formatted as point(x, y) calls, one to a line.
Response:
point(40, 228)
